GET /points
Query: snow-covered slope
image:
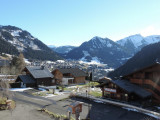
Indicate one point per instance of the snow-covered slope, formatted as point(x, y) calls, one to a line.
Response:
point(101, 50)
point(18, 38)
point(24, 42)
point(136, 42)
point(62, 49)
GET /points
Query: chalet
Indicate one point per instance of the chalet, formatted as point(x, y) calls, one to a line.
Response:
point(36, 75)
point(69, 76)
point(141, 84)
point(124, 90)
point(147, 78)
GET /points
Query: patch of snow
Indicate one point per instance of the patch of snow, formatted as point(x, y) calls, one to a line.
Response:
point(86, 53)
point(49, 95)
point(125, 58)
point(135, 39)
point(109, 45)
point(60, 61)
point(152, 115)
point(97, 101)
point(33, 46)
point(130, 109)
point(15, 32)
point(135, 110)
point(109, 70)
point(20, 89)
point(27, 62)
point(158, 108)
point(49, 62)
point(41, 89)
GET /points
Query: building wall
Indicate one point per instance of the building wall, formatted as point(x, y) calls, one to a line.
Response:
point(58, 76)
point(45, 81)
point(79, 80)
point(115, 92)
point(149, 79)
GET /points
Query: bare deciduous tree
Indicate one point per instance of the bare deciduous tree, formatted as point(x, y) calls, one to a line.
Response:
point(4, 89)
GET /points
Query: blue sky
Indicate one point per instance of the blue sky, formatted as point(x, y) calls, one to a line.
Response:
point(71, 22)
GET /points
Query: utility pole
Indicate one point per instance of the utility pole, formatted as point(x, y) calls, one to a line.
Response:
point(90, 79)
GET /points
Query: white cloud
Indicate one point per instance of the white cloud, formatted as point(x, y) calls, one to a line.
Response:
point(150, 30)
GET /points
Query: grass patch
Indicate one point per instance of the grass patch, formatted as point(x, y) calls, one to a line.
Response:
point(3, 103)
point(42, 93)
point(88, 84)
point(13, 104)
point(96, 94)
point(54, 115)
point(3, 100)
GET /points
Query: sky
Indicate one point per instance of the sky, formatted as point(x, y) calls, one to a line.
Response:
point(72, 22)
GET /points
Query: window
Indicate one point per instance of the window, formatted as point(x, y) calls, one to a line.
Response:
point(148, 75)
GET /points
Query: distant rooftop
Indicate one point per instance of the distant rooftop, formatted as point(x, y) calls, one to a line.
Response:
point(39, 72)
point(74, 71)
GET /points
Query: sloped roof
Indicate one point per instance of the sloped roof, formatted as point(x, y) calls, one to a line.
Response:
point(39, 72)
point(26, 79)
point(141, 69)
point(132, 88)
point(74, 71)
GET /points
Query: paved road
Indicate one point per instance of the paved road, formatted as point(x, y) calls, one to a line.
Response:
point(99, 111)
point(27, 105)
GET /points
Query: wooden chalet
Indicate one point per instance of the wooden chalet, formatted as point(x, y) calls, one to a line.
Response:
point(36, 75)
point(123, 90)
point(147, 78)
point(69, 76)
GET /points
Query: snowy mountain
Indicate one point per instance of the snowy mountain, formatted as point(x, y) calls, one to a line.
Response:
point(23, 41)
point(136, 42)
point(62, 49)
point(101, 50)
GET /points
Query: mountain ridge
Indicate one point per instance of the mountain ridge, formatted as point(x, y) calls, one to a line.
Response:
point(24, 42)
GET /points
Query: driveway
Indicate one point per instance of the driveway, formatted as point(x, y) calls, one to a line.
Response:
point(27, 105)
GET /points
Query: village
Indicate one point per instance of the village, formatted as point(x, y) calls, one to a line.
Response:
point(70, 90)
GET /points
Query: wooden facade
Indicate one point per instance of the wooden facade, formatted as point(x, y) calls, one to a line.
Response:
point(148, 78)
point(45, 81)
point(124, 90)
point(72, 79)
point(111, 90)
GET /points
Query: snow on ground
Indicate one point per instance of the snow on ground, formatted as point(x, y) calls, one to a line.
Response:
point(158, 107)
point(2, 75)
point(60, 61)
point(41, 89)
point(20, 89)
point(50, 95)
point(130, 109)
point(108, 70)
point(97, 101)
point(15, 32)
point(151, 115)
point(27, 61)
point(135, 110)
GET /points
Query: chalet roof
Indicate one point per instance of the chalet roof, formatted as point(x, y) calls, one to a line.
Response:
point(141, 69)
point(74, 71)
point(39, 72)
point(104, 80)
point(132, 88)
point(4, 63)
point(26, 79)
